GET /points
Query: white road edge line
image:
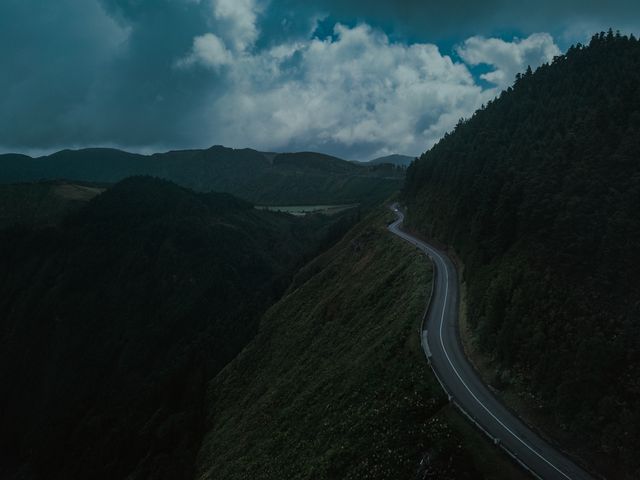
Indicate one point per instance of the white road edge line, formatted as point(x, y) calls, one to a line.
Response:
point(444, 307)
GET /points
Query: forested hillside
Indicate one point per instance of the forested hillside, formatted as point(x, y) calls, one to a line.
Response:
point(539, 192)
point(280, 179)
point(113, 321)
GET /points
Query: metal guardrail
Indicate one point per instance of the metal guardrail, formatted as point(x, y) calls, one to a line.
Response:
point(424, 342)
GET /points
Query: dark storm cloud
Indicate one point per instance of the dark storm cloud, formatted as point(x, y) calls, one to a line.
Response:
point(80, 72)
point(434, 21)
point(49, 60)
point(280, 75)
point(141, 97)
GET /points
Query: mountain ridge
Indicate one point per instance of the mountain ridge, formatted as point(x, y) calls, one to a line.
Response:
point(394, 159)
point(284, 178)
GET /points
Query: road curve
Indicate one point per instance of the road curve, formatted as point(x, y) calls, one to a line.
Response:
point(441, 344)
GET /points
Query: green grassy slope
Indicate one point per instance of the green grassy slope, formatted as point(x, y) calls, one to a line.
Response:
point(335, 384)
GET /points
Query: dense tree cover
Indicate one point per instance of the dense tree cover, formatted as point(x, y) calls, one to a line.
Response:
point(539, 192)
point(112, 322)
point(284, 179)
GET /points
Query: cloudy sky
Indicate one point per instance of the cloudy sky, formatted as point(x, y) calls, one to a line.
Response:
point(354, 78)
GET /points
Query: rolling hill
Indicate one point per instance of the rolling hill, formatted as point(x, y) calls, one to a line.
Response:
point(304, 178)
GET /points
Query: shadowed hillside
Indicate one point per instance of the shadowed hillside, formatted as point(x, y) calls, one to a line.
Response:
point(112, 322)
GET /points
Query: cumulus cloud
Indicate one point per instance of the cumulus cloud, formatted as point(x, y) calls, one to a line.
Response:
point(154, 74)
point(207, 50)
point(235, 23)
point(356, 92)
point(508, 58)
point(237, 20)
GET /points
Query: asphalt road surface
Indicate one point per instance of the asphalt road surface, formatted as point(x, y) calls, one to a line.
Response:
point(442, 346)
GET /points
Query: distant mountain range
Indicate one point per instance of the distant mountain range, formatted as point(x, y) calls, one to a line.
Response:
point(262, 178)
point(401, 160)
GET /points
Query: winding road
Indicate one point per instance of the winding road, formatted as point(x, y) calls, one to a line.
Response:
point(444, 351)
